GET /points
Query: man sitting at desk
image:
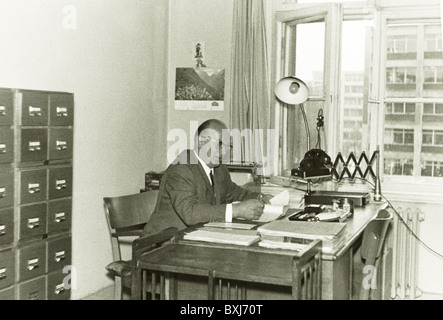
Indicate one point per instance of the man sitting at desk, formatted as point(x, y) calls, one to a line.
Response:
point(187, 195)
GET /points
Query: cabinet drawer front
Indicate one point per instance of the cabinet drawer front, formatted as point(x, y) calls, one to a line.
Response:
point(6, 268)
point(6, 145)
point(59, 253)
point(59, 215)
point(34, 144)
point(6, 189)
point(60, 182)
point(6, 226)
point(33, 186)
point(7, 294)
point(32, 220)
point(61, 110)
point(34, 289)
point(6, 107)
point(58, 286)
point(32, 261)
point(35, 106)
point(60, 143)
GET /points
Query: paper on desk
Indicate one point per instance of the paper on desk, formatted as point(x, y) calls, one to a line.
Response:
point(282, 199)
point(230, 225)
point(276, 209)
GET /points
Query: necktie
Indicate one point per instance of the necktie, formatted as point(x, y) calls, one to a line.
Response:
point(212, 179)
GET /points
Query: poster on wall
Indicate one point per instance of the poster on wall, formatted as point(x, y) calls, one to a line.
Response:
point(200, 89)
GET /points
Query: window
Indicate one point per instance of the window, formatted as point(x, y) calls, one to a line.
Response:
point(386, 91)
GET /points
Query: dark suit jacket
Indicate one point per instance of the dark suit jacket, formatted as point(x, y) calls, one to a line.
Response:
point(186, 196)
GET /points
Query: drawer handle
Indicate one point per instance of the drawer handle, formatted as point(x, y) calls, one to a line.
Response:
point(62, 112)
point(32, 264)
point(33, 223)
point(34, 188)
point(2, 148)
point(33, 295)
point(60, 184)
point(2, 192)
point(2, 111)
point(59, 256)
point(2, 230)
point(59, 289)
point(34, 146)
point(35, 111)
point(2, 273)
point(61, 145)
point(60, 217)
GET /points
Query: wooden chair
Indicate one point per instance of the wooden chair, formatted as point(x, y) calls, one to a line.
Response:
point(156, 280)
point(371, 248)
point(126, 216)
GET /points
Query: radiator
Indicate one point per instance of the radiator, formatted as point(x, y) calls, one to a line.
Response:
point(405, 254)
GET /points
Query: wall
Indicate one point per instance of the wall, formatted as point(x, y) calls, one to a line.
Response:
point(113, 61)
point(191, 21)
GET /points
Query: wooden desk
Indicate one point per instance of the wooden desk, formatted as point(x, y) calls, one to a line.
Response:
point(245, 265)
point(255, 264)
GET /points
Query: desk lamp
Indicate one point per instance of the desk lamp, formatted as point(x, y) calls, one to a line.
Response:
point(293, 91)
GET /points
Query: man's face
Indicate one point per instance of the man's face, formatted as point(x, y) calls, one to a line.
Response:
point(211, 147)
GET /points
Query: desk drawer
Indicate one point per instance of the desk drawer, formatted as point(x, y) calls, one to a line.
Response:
point(60, 182)
point(6, 268)
point(61, 111)
point(6, 145)
point(58, 286)
point(33, 185)
point(32, 261)
point(6, 189)
point(60, 143)
point(6, 107)
point(6, 226)
point(35, 106)
point(7, 294)
point(33, 144)
point(34, 289)
point(59, 253)
point(59, 215)
point(32, 220)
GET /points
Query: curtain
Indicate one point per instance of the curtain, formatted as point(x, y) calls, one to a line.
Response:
point(250, 103)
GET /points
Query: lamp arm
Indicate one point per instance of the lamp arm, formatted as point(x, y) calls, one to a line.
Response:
point(308, 135)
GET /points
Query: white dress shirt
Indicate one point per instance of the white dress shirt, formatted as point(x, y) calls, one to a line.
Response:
point(228, 212)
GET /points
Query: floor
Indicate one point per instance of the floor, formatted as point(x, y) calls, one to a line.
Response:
point(108, 294)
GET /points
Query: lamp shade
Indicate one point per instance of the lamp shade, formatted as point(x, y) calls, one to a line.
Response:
point(291, 90)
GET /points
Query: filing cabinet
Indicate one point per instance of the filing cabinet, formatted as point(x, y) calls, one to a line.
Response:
point(34, 289)
point(6, 145)
point(32, 220)
point(6, 226)
point(6, 268)
point(7, 294)
point(36, 173)
point(6, 188)
point(6, 107)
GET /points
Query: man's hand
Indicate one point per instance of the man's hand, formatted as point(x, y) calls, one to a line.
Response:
point(250, 209)
point(265, 198)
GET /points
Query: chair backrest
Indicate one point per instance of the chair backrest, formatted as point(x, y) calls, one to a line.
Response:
point(130, 210)
point(372, 245)
point(374, 234)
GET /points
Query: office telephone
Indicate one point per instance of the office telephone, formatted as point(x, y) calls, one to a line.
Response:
point(314, 163)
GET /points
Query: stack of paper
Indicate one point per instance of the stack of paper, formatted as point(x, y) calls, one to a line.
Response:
point(295, 234)
point(220, 235)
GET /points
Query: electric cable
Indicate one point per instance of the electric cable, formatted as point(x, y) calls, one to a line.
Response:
point(403, 221)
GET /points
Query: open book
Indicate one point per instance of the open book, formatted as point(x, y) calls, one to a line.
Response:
point(277, 208)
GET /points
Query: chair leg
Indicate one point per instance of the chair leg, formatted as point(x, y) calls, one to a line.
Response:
point(118, 288)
